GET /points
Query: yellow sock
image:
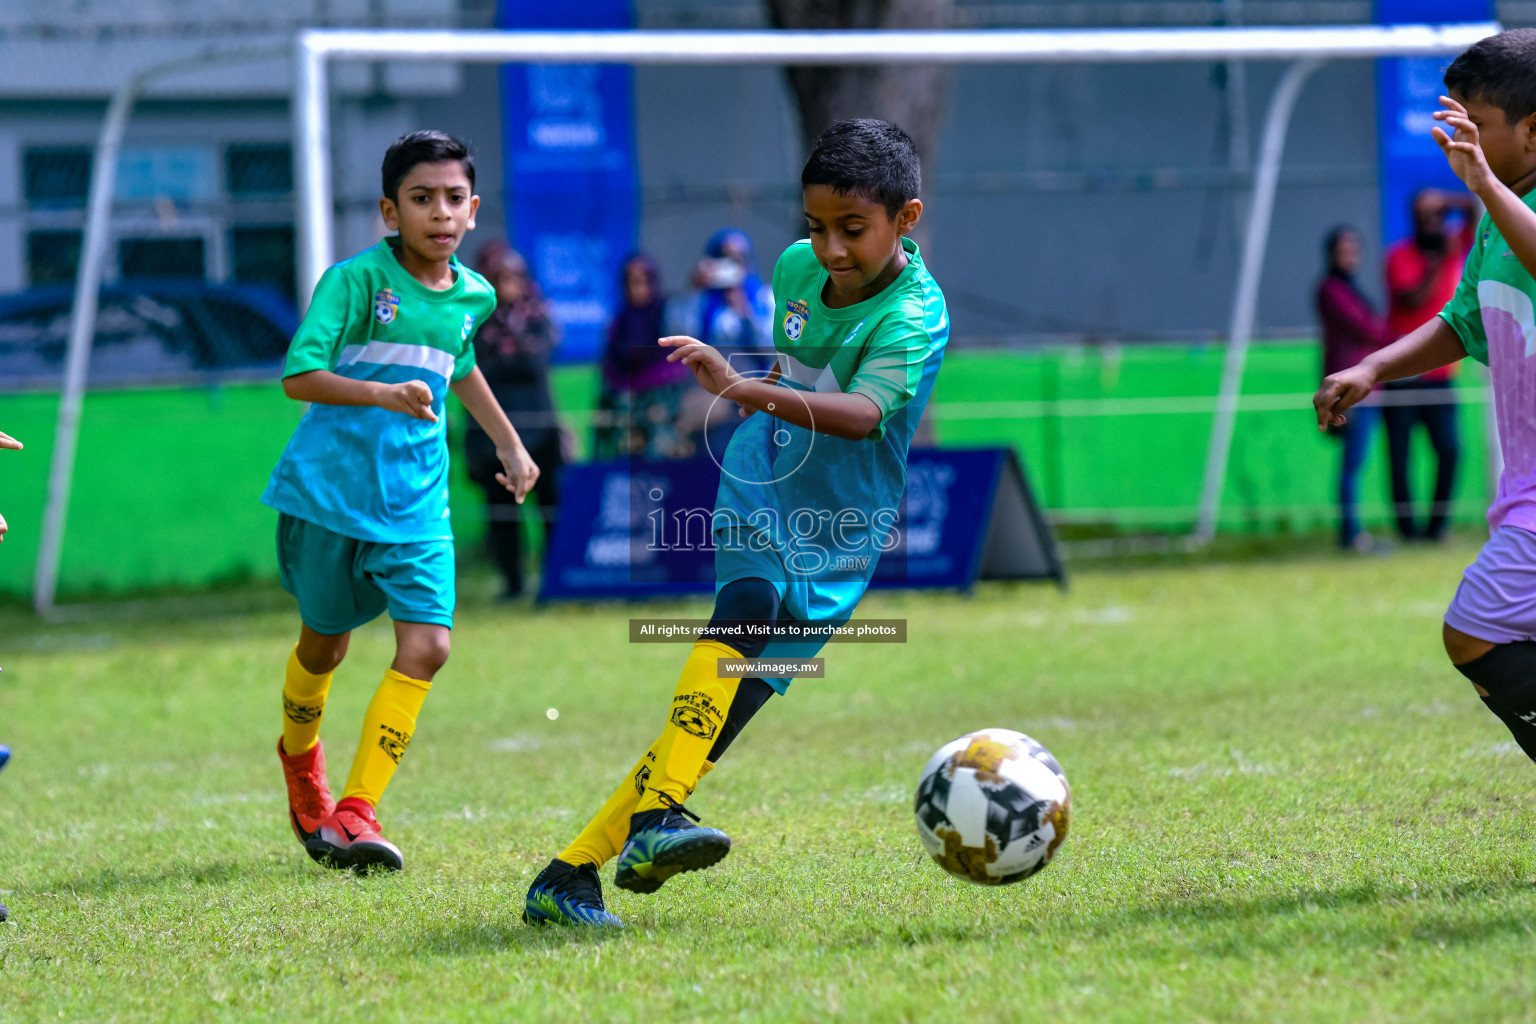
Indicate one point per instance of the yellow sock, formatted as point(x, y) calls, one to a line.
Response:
point(387, 730)
point(604, 835)
point(303, 705)
point(699, 707)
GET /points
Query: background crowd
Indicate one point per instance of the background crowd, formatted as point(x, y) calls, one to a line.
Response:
point(1421, 273)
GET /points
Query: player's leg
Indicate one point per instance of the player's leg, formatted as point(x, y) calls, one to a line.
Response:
point(662, 841)
point(1489, 628)
point(1440, 421)
point(316, 567)
point(417, 583)
point(306, 685)
point(567, 890)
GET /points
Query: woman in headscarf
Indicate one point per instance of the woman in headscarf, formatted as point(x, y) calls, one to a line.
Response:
point(733, 311)
point(641, 391)
point(1352, 330)
point(512, 350)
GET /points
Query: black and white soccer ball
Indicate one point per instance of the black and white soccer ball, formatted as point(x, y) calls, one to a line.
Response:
point(993, 807)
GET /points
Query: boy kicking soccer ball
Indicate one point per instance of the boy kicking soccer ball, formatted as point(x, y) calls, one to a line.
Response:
point(809, 488)
point(1490, 627)
point(362, 488)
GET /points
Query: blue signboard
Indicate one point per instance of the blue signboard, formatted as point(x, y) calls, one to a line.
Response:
point(569, 139)
point(1408, 91)
point(631, 529)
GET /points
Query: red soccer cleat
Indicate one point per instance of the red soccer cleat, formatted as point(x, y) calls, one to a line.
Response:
point(309, 797)
point(350, 838)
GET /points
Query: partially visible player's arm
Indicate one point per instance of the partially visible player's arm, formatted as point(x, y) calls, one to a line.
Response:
point(7, 441)
point(413, 397)
point(851, 417)
point(1464, 152)
point(518, 469)
point(1426, 348)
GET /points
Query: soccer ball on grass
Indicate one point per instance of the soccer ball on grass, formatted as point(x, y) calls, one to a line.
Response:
point(993, 807)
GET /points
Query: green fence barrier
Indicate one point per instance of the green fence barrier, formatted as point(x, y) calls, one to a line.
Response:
point(167, 480)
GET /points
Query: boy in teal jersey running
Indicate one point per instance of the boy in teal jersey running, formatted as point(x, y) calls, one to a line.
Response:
point(810, 487)
point(362, 488)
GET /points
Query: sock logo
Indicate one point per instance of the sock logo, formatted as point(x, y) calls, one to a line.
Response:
point(641, 778)
point(697, 714)
point(302, 714)
point(691, 721)
point(393, 743)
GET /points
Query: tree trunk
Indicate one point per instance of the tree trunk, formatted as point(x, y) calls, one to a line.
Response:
point(909, 95)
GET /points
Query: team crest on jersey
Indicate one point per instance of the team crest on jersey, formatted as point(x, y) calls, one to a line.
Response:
point(794, 320)
point(469, 325)
point(386, 305)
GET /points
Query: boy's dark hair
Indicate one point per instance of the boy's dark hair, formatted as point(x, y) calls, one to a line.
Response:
point(1499, 70)
point(428, 146)
point(871, 159)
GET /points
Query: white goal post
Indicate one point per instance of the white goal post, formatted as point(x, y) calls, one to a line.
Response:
point(314, 50)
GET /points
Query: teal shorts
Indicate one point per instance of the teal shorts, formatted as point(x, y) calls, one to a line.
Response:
point(342, 583)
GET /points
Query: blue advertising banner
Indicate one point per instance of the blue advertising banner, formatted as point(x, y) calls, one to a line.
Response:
point(1408, 91)
point(632, 529)
point(569, 139)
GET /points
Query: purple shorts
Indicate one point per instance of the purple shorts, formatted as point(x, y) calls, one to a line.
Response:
point(1496, 601)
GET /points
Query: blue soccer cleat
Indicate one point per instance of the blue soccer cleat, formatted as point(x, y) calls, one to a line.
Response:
point(568, 894)
point(5, 754)
point(663, 843)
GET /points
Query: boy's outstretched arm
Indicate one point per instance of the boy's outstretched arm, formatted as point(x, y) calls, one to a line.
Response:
point(7, 441)
point(519, 472)
point(849, 416)
point(1464, 152)
point(1421, 350)
point(413, 397)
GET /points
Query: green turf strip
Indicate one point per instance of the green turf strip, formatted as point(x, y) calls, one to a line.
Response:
point(1288, 808)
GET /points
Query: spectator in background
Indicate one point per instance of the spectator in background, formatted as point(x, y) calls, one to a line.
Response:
point(512, 350)
point(732, 311)
point(641, 392)
point(1422, 273)
point(1351, 331)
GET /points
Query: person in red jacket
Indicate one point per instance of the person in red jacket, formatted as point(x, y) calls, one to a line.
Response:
point(1422, 273)
point(1352, 330)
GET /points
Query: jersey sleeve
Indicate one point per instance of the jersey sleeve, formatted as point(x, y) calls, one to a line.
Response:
point(323, 333)
point(891, 369)
point(1463, 313)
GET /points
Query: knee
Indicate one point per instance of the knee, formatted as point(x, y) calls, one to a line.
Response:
point(422, 655)
point(750, 600)
point(320, 654)
point(1462, 648)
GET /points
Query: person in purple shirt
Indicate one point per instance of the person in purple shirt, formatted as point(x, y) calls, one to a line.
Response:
point(1352, 330)
point(641, 392)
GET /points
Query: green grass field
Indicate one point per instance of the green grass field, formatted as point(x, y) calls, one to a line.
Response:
point(1288, 808)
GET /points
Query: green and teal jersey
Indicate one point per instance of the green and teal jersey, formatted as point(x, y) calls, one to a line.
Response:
point(821, 507)
point(362, 471)
point(1494, 314)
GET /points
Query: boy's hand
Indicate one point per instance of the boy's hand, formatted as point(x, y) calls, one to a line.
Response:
point(709, 367)
point(1463, 151)
point(520, 472)
point(413, 398)
point(7, 441)
point(1339, 391)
